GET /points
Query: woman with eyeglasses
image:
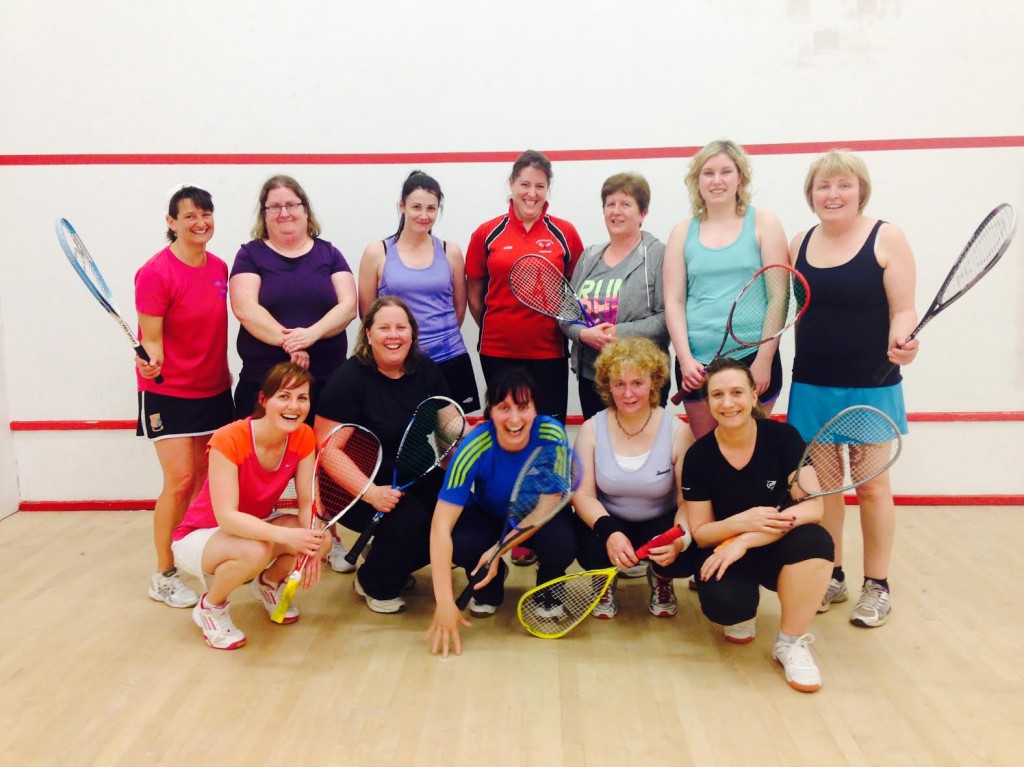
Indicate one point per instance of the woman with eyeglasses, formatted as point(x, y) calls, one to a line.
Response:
point(620, 284)
point(292, 292)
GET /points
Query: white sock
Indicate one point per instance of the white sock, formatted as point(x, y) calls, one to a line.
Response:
point(785, 638)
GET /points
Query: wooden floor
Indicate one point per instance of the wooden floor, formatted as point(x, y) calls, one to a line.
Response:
point(94, 673)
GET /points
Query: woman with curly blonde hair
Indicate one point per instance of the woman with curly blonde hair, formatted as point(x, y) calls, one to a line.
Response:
point(632, 457)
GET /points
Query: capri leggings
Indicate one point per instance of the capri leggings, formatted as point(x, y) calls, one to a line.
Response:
point(735, 597)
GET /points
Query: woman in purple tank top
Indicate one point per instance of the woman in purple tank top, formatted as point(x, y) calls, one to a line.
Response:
point(429, 275)
point(861, 273)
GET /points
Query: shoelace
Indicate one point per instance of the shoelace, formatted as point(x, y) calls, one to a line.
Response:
point(663, 590)
point(800, 653)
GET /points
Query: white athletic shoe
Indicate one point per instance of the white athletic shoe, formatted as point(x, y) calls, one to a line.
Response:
point(801, 670)
point(218, 630)
point(337, 558)
point(171, 590)
point(269, 596)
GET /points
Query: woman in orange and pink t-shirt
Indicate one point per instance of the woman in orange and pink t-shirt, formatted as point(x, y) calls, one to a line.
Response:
point(231, 533)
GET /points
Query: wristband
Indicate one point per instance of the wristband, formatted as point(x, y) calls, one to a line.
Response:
point(605, 527)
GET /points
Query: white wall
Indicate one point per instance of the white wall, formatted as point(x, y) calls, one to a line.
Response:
point(235, 77)
point(8, 466)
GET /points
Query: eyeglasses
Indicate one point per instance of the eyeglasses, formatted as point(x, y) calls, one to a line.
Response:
point(276, 210)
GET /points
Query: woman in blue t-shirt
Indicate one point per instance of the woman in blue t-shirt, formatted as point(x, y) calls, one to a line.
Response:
point(471, 508)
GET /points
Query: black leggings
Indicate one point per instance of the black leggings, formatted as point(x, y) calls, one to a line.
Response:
point(476, 531)
point(551, 377)
point(593, 554)
point(735, 597)
point(401, 544)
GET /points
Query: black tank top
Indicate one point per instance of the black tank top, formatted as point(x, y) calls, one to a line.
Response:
point(843, 338)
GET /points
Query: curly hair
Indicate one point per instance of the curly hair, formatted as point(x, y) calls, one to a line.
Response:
point(637, 353)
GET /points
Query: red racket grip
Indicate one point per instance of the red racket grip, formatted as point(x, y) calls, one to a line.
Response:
point(673, 533)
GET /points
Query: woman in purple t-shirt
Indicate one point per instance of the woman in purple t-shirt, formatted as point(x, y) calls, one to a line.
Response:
point(293, 293)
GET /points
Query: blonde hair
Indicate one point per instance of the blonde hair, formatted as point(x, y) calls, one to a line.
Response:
point(739, 158)
point(637, 352)
point(839, 162)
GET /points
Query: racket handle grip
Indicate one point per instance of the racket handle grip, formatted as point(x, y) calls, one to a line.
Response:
point(287, 594)
point(364, 538)
point(672, 534)
point(143, 354)
point(467, 593)
point(678, 397)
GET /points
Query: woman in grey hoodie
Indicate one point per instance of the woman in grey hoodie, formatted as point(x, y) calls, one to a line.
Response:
point(619, 283)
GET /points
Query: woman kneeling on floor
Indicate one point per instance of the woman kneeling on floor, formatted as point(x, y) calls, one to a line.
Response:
point(736, 487)
point(231, 533)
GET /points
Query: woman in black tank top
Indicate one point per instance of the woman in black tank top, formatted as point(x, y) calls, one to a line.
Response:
point(861, 273)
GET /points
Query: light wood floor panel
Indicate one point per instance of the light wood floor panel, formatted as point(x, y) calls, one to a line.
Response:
point(94, 673)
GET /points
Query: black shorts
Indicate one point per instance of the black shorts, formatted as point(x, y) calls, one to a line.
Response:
point(770, 394)
point(162, 416)
point(458, 373)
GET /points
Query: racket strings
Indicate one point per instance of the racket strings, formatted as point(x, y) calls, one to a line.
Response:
point(767, 306)
point(554, 608)
point(856, 446)
point(435, 428)
point(985, 247)
point(540, 286)
point(346, 464)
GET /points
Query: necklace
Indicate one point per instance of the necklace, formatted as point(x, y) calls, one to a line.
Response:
point(638, 431)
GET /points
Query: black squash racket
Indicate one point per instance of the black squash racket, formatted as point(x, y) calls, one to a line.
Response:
point(540, 285)
point(765, 308)
point(433, 432)
point(80, 260)
point(986, 246)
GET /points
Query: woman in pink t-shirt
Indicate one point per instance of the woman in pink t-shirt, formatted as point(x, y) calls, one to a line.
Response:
point(231, 533)
point(185, 388)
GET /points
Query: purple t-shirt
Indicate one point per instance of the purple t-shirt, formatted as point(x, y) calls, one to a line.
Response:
point(297, 292)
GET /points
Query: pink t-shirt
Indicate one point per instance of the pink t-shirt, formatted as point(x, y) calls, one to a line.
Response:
point(192, 300)
point(258, 488)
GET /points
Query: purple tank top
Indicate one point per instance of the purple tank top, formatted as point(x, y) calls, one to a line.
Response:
point(430, 296)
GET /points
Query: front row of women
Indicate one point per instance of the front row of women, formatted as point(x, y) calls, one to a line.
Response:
point(734, 481)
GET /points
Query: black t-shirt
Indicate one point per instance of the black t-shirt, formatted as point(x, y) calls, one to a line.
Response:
point(358, 393)
point(707, 476)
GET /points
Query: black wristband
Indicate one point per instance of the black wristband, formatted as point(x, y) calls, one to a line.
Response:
point(605, 527)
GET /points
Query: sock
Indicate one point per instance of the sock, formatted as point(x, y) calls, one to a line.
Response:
point(785, 638)
point(204, 602)
point(883, 582)
point(838, 574)
point(169, 573)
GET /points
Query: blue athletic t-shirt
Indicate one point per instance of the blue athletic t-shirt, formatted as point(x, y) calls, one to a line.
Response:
point(482, 473)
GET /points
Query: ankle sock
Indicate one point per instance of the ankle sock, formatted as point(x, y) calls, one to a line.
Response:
point(838, 574)
point(883, 582)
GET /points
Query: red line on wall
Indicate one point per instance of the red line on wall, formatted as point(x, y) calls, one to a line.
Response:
point(901, 500)
point(562, 155)
point(573, 420)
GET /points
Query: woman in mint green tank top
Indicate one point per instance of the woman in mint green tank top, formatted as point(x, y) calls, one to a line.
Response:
point(708, 259)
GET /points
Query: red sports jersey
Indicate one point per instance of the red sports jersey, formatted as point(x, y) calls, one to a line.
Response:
point(509, 328)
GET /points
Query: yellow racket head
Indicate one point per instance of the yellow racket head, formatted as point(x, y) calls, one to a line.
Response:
point(555, 608)
point(287, 595)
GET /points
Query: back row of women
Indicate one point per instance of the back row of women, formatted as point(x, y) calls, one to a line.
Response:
point(294, 294)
